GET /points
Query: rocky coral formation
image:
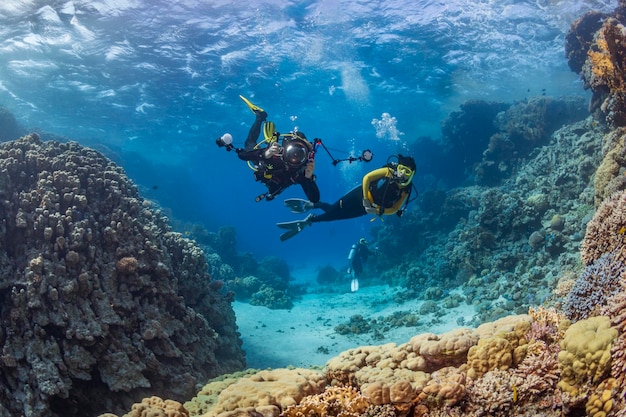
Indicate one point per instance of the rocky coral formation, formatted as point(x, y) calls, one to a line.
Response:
point(101, 302)
point(499, 244)
point(532, 364)
point(264, 283)
point(598, 40)
point(155, 406)
point(554, 370)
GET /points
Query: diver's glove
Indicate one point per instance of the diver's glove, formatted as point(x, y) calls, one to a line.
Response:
point(273, 150)
point(309, 169)
point(369, 208)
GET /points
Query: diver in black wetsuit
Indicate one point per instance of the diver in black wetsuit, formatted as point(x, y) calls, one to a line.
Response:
point(382, 192)
point(278, 166)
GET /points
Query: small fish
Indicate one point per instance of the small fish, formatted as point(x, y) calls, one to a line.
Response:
point(622, 230)
point(514, 388)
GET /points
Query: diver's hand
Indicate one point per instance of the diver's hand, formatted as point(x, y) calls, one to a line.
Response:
point(369, 208)
point(273, 150)
point(309, 169)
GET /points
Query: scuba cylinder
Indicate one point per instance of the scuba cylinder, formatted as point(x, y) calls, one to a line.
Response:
point(354, 283)
point(352, 252)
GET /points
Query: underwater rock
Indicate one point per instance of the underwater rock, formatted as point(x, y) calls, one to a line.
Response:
point(101, 302)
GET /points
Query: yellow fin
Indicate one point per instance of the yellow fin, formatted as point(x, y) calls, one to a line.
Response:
point(251, 106)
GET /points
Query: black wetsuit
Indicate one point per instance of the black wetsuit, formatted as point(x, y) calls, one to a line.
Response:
point(360, 257)
point(347, 207)
point(386, 193)
point(275, 173)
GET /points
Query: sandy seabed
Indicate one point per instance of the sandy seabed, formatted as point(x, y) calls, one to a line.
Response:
point(304, 335)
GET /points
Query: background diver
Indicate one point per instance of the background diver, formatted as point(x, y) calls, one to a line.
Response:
point(359, 252)
point(278, 166)
point(382, 192)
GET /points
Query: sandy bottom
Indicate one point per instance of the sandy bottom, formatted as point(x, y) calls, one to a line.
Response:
point(305, 336)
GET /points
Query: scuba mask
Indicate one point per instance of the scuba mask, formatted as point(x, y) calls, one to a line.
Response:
point(403, 175)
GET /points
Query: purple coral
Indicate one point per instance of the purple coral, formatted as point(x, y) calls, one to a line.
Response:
point(594, 286)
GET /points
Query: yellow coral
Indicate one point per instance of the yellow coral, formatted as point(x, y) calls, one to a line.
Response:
point(448, 349)
point(447, 387)
point(601, 402)
point(206, 399)
point(602, 65)
point(279, 387)
point(585, 355)
point(334, 401)
point(488, 355)
point(157, 407)
point(400, 394)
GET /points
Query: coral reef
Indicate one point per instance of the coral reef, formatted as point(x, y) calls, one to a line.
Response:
point(101, 302)
point(155, 406)
point(595, 286)
point(333, 402)
point(595, 49)
point(531, 364)
point(609, 176)
point(501, 245)
point(579, 39)
point(551, 367)
point(585, 356)
point(520, 129)
point(265, 283)
point(279, 388)
point(606, 232)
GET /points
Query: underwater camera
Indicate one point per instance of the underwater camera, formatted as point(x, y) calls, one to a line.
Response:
point(226, 140)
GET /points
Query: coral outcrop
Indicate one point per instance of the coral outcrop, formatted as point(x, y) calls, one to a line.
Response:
point(585, 356)
point(101, 303)
point(606, 232)
point(499, 245)
point(553, 369)
point(597, 41)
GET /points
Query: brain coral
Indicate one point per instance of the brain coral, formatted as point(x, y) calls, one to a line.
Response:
point(97, 294)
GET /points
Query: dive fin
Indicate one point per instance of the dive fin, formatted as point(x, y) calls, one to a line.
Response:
point(354, 285)
point(294, 227)
point(289, 234)
point(251, 106)
point(298, 205)
point(268, 131)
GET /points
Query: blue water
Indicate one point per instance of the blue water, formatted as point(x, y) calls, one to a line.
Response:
point(153, 83)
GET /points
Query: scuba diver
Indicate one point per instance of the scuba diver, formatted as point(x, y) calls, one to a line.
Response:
point(382, 192)
point(359, 252)
point(276, 165)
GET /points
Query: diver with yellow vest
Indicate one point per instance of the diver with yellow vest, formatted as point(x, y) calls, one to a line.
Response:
point(382, 192)
point(277, 165)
